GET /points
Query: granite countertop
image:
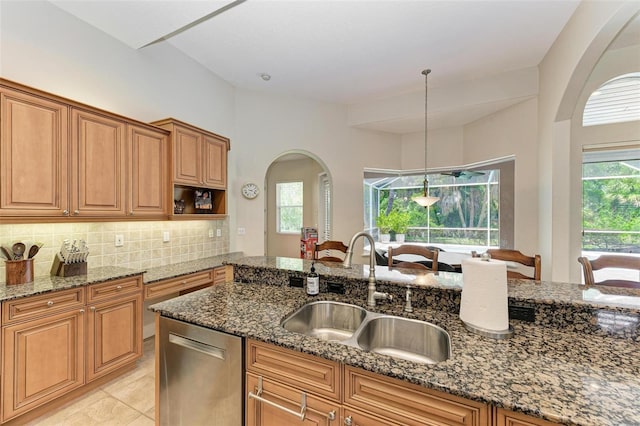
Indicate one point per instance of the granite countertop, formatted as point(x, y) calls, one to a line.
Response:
point(47, 283)
point(561, 376)
point(537, 292)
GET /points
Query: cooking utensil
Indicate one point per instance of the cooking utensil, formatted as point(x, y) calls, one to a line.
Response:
point(6, 253)
point(33, 250)
point(18, 250)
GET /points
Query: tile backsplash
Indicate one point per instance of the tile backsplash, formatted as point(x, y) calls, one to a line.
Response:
point(143, 242)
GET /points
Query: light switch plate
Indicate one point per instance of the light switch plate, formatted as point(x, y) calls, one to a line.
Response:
point(166, 236)
point(210, 232)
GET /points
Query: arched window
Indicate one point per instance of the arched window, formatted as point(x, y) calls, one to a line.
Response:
point(616, 101)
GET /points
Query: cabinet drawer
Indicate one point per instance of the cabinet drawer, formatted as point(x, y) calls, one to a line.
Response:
point(220, 275)
point(271, 403)
point(317, 375)
point(109, 289)
point(509, 418)
point(175, 285)
point(409, 404)
point(32, 307)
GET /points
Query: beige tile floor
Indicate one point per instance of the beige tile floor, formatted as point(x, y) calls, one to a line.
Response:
point(128, 400)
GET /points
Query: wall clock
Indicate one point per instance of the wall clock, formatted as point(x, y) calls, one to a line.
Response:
point(250, 191)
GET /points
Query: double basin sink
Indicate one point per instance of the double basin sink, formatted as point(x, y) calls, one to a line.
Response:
point(399, 337)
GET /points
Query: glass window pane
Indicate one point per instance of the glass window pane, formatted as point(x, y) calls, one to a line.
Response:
point(289, 205)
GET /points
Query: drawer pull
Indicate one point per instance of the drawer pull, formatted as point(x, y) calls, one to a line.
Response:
point(303, 404)
point(93, 308)
point(119, 287)
point(348, 421)
point(50, 303)
point(184, 283)
point(82, 311)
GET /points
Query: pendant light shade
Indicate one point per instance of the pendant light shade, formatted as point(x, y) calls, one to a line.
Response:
point(424, 200)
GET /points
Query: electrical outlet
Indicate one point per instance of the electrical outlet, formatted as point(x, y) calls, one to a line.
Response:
point(119, 240)
point(218, 232)
point(242, 231)
point(166, 237)
point(210, 232)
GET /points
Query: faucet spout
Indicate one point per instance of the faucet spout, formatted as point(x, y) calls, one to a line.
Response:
point(373, 294)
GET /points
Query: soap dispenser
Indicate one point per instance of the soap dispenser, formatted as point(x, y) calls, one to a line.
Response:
point(313, 281)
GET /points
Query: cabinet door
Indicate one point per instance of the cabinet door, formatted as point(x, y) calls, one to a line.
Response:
point(510, 418)
point(215, 162)
point(187, 161)
point(33, 155)
point(114, 335)
point(148, 160)
point(98, 165)
point(318, 411)
point(356, 418)
point(42, 360)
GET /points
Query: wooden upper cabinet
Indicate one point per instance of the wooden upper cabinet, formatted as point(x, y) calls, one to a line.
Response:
point(187, 161)
point(33, 155)
point(148, 160)
point(199, 157)
point(214, 173)
point(98, 164)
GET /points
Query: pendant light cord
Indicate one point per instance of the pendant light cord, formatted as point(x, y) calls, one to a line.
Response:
point(426, 122)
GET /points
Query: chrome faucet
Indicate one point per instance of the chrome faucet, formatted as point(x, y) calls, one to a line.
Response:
point(373, 295)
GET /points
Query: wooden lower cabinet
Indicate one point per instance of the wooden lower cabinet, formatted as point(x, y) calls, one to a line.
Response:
point(340, 394)
point(270, 403)
point(356, 418)
point(114, 335)
point(397, 401)
point(42, 359)
point(55, 343)
point(510, 418)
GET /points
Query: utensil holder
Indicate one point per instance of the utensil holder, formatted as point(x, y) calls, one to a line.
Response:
point(61, 269)
point(19, 271)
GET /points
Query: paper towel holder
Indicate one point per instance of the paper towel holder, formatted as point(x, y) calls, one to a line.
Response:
point(498, 335)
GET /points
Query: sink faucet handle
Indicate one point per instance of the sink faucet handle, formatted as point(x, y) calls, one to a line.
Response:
point(407, 305)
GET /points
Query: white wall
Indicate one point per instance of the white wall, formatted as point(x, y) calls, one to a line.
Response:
point(512, 131)
point(445, 148)
point(267, 126)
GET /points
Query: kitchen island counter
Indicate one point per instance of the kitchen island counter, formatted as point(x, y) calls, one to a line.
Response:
point(558, 375)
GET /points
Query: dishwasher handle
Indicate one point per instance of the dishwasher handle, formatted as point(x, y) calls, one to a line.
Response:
point(197, 346)
point(303, 404)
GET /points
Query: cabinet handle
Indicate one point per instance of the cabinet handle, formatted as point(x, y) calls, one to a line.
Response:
point(93, 308)
point(131, 213)
point(65, 212)
point(82, 311)
point(303, 403)
point(348, 421)
point(50, 303)
point(332, 415)
point(184, 282)
point(76, 212)
point(118, 287)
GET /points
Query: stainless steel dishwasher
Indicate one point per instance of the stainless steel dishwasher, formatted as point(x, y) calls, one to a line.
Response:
point(200, 376)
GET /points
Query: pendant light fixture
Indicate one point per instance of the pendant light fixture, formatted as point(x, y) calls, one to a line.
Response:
point(424, 200)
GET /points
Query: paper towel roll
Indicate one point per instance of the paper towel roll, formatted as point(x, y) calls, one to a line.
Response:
point(484, 302)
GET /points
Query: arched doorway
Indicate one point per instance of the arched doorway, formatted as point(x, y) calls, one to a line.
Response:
point(286, 210)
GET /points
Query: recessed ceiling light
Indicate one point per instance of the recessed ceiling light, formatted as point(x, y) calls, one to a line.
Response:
point(265, 76)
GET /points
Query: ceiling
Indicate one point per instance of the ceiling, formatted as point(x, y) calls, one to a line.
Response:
point(351, 52)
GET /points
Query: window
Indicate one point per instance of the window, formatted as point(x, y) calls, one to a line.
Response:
point(289, 196)
point(611, 201)
point(616, 101)
point(469, 212)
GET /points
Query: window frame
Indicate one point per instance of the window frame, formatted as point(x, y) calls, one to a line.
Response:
point(279, 207)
